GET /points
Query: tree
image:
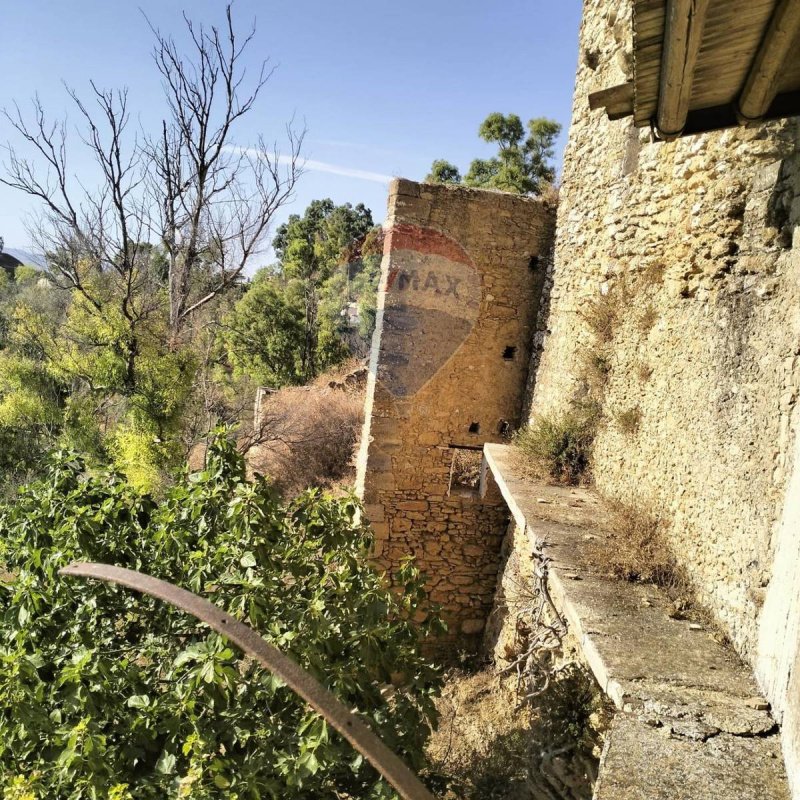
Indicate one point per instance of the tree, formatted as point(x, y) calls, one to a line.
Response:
point(311, 249)
point(104, 693)
point(443, 172)
point(523, 164)
point(264, 334)
point(207, 202)
point(149, 255)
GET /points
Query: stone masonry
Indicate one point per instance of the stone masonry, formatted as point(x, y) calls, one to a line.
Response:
point(461, 277)
point(696, 244)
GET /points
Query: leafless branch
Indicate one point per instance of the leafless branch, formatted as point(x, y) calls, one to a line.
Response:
point(188, 190)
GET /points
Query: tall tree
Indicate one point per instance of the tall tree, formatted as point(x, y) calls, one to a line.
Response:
point(206, 201)
point(523, 163)
point(310, 248)
point(149, 252)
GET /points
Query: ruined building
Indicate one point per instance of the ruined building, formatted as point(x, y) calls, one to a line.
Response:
point(693, 245)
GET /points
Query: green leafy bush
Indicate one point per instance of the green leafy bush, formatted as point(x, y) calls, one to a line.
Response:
point(104, 693)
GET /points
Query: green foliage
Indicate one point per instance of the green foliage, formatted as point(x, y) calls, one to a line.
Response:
point(25, 273)
point(107, 694)
point(443, 172)
point(99, 367)
point(293, 321)
point(263, 334)
point(73, 369)
point(559, 447)
point(523, 164)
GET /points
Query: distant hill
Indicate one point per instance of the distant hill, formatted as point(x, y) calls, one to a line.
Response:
point(25, 256)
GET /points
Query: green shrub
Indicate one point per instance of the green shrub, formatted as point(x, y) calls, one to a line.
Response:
point(104, 693)
point(559, 447)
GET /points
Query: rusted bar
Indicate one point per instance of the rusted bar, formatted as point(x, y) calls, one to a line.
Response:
point(317, 696)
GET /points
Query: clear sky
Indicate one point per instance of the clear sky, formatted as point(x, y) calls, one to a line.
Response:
point(383, 88)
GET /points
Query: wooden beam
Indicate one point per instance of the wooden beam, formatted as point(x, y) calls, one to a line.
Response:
point(714, 118)
point(616, 100)
point(683, 35)
point(763, 79)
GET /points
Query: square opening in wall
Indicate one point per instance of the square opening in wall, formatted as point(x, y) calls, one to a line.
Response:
point(509, 352)
point(475, 427)
point(465, 471)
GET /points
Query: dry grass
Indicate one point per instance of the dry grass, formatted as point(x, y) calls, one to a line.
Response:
point(604, 312)
point(465, 470)
point(648, 318)
point(595, 368)
point(629, 420)
point(601, 316)
point(559, 447)
point(488, 748)
point(643, 371)
point(307, 436)
point(349, 376)
point(653, 274)
point(638, 551)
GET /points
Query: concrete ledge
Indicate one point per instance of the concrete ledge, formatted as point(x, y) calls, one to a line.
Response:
point(693, 723)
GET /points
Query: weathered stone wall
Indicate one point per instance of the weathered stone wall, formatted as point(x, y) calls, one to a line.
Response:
point(461, 277)
point(695, 246)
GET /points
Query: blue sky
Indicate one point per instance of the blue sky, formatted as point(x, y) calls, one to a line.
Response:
point(382, 88)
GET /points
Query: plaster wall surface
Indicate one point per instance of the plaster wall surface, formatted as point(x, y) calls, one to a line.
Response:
point(695, 245)
point(461, 276)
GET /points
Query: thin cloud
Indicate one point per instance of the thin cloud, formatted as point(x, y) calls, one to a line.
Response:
point(321, 166)
point(338, 169)
point(365, 148)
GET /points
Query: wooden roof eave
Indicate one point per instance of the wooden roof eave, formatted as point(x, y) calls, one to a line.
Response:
point(671, 38)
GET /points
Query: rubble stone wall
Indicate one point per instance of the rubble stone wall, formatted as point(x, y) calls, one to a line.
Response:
point(695, 246)
point(461, 278)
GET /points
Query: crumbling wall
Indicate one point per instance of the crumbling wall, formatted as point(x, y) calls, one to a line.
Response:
point(692, 250)
point(461, 277)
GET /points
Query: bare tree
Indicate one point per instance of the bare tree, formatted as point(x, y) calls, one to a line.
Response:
point(189, 188)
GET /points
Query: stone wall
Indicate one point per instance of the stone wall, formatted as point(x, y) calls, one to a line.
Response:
point(694, 249)
point(460, 284)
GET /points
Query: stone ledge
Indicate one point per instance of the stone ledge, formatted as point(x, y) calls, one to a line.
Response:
point(693, 721)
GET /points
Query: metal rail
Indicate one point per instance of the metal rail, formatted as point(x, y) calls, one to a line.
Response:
point(317, 696)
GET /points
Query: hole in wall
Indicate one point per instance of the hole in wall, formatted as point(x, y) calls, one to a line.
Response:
point(465, 471)
point(591, 58)
point(533, 263)
point(475, 427)
point(504, 427)
point(509, 352)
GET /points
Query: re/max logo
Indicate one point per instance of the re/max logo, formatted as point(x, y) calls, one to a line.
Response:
point(410, 279)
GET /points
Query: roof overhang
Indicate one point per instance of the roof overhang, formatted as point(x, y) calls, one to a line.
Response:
point(701, 65)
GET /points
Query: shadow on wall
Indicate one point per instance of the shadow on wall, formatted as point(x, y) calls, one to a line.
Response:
point(779, 206)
